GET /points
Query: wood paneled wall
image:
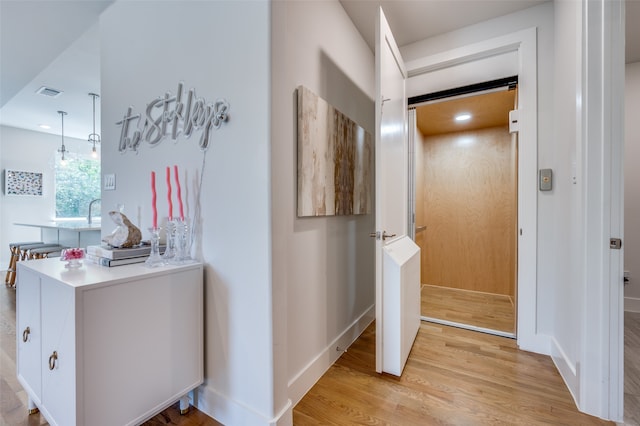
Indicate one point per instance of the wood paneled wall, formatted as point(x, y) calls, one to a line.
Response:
point(469, 198)
point(419, 209)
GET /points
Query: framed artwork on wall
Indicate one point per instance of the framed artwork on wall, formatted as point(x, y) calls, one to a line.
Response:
point(18, 182)
point(335, 160)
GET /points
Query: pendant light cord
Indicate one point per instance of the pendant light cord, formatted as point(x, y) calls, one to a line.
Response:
point(62, 149)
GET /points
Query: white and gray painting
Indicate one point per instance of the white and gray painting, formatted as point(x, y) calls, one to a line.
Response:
point(335, 160)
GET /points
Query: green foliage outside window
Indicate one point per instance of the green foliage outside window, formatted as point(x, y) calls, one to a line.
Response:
point(77, 183)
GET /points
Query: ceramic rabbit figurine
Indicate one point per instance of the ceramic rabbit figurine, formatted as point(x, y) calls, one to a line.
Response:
point(125, 235)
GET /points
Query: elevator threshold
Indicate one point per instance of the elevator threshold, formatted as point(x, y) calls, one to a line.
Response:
point(469, 327)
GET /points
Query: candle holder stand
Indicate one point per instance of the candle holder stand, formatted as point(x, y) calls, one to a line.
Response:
point(181, 243)
point(154, 257)
point(170, 250)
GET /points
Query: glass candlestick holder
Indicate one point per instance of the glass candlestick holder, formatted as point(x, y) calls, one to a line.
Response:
point(170, 250)
point(154, 257)
point(181, 243)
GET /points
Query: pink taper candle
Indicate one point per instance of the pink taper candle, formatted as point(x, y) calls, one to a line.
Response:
point(179, 194)
point(169, 192)
point(153, 200)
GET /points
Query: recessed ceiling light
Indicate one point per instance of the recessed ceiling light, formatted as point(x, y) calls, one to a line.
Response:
point(463, 117)
point(44, 126)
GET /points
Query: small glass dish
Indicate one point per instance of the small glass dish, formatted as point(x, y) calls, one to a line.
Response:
point(73, 257)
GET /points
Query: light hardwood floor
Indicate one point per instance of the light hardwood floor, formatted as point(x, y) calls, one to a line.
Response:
point(632, 368)
point(478, 309)
point(453, 376)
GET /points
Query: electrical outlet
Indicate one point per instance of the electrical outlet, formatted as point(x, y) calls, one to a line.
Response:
point(109, 182)
point(627, 277)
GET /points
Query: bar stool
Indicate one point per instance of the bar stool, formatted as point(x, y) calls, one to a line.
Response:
point(45, 252)
point(26, 249)
point(14, 249)
point(22, 253)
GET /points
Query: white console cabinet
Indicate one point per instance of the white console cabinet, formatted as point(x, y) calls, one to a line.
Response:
point(108, 346)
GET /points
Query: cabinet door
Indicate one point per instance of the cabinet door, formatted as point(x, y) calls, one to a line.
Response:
point(28, 333)
point(58, 336)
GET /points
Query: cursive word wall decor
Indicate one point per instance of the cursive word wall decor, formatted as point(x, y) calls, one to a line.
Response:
point(172, 116)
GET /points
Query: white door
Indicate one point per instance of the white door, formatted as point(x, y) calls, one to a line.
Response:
point(58, 353)
point(28, 333)
point(396, 285)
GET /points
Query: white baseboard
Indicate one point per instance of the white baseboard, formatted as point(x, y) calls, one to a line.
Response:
point(309, 375)
point(632, 304)
point(567, 369)
point(230, 412)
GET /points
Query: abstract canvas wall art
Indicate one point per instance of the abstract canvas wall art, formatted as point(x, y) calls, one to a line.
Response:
point(22, 183)
point(335, 160)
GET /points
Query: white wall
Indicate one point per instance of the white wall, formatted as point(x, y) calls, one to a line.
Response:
point(632, 187)
point(35, 152)
point(323, 266)
point(4, 260)
point(221, 49)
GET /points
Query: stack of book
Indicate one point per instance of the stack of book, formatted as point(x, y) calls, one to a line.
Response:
point(109, 256)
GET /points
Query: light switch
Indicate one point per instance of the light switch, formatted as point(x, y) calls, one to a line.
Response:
point(546, 179)
point(109, 182)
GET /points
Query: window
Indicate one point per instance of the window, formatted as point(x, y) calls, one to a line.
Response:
point(77, 183)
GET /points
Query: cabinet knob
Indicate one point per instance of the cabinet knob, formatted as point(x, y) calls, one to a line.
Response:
point(52, 360)
point(25, 334)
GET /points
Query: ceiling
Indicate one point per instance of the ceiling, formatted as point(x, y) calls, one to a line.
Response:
point(49, 43)
point(415, 20)
point(486, 110)
point(55, 43)
point(412, 20)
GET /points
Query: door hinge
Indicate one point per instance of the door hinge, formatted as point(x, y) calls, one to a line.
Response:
point(382, 101)
point(615, 243)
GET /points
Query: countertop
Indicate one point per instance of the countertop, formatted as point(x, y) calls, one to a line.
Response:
point(90, 274)
point(78, 226)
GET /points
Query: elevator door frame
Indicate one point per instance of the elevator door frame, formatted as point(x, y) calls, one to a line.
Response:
point(477, 60)
point(434, 98)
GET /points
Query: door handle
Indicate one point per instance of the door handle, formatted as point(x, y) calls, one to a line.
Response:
point(53, 360)
point(377, 235)
point(385, 235)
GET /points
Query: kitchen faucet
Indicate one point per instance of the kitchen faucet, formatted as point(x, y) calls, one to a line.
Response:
point(90, 206)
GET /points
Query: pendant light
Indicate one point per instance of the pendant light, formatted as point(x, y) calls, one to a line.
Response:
point(94, 138)
point(63, 149)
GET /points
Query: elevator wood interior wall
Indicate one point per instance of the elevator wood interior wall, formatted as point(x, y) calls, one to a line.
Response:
point(419, 209)
point(468, 201)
